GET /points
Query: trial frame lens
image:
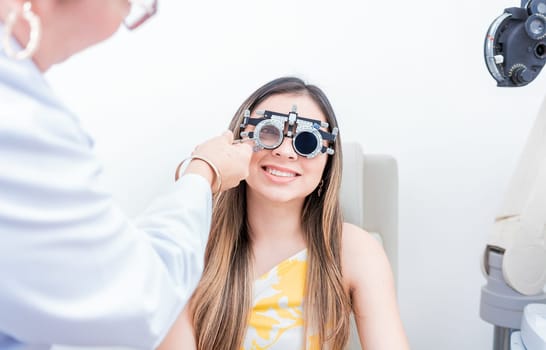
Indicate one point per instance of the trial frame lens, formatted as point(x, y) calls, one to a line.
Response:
point(307, 143)
point(269, 133)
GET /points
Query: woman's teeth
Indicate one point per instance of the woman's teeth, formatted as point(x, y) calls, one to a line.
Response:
point(279, 173)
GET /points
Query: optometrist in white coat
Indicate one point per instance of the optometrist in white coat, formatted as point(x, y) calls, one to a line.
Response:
point(73, 269)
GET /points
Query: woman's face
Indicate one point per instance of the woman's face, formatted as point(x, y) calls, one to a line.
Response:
point(282, 175)
point(88, 22)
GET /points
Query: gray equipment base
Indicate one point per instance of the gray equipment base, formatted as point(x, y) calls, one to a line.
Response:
point(501, 305)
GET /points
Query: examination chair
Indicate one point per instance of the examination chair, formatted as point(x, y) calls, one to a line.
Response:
point(369, 199)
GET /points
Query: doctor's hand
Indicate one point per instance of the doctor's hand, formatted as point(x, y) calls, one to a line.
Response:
point(230, 160)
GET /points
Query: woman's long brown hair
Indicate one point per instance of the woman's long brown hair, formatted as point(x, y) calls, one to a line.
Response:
point(220, 306)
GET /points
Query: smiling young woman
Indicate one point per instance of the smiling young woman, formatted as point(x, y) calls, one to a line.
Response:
point(282, 270)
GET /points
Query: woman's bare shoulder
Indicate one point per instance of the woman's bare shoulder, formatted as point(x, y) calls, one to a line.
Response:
point(358, 241)
point(362, 256)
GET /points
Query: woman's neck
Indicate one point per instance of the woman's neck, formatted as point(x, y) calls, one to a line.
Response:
point(21, 33)
point(272, 221)
point(275, 230)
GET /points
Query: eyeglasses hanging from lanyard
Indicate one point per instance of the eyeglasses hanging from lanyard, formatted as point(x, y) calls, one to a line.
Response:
point(307, 136)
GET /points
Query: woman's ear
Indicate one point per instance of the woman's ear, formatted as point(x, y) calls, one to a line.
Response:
point(43, 8)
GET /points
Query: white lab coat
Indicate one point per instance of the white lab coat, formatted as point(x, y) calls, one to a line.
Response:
point(73, 269)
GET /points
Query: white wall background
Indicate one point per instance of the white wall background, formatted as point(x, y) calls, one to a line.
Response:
point(406, 78)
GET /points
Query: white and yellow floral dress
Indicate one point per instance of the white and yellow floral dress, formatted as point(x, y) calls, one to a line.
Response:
point(276, 320)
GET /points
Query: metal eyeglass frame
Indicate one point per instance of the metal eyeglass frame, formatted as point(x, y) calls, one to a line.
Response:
point(302, 126)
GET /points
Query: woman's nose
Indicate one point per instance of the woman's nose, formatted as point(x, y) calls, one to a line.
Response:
point(285, 150)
